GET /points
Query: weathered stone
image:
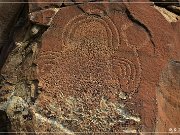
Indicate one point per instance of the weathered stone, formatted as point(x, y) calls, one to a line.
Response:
point(96, 52)
point(167, 2)
point(168, 8)
point(9, 13)
point(36, 5)
point(168, 99)
point(4, 122)
point(95, 69)
point(175, 9)
point(169, 16)
point(43, 17)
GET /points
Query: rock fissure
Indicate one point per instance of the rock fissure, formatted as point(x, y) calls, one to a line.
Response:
point(136, 21)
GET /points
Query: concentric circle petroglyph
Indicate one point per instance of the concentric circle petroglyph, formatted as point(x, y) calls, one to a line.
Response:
point(48, 71)
point(87, 58)
point(127, 73)
point(99, 33)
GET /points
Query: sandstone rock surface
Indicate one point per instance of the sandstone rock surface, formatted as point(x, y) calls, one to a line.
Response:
point(168, 98)
point(93, 67)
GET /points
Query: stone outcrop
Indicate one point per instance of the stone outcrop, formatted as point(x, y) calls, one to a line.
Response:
point(89, 67)
point(9, 14)
point(168, 98)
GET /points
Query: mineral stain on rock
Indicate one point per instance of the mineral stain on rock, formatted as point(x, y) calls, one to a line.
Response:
point(84, 68)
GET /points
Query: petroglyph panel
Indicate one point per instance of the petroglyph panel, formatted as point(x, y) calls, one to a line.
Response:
point(91, 33)
point(88, 59)
point(97, 70)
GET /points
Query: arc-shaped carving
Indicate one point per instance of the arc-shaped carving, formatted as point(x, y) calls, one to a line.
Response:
point(50, 63)
point(88, 57)
point(97, 32)
point(128, 75)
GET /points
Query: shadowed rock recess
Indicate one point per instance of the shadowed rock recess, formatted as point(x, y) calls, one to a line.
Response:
point(89, 67)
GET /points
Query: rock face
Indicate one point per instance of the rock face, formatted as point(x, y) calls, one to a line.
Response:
point(84, 66)
point(7, 19)
point(9, 13)
point(168, 98)
point(93, 67)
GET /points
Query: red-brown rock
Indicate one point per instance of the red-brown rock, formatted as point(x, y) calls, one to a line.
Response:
point(168, 99)
point(94, 67)
point(43, 17)
point(95, 52)
point(36, 5)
